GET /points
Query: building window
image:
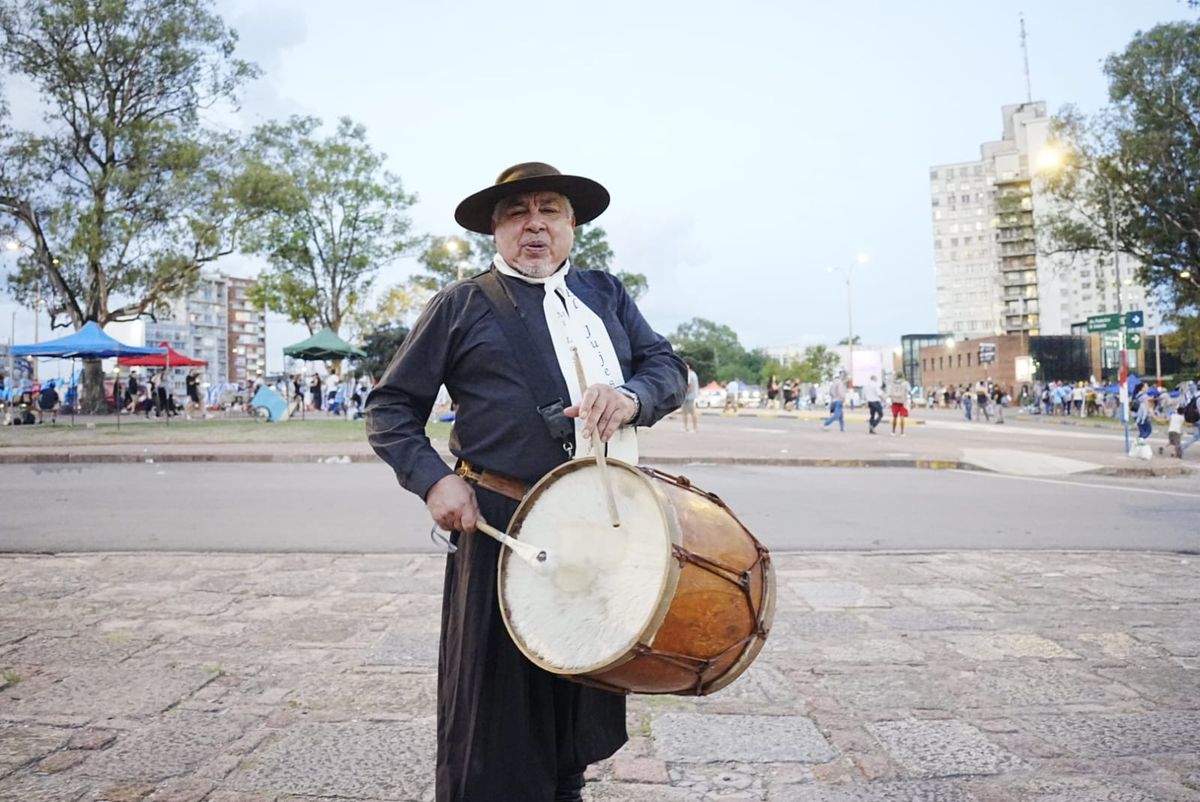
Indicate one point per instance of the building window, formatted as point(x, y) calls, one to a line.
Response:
point(968, 360)
point(960, 360)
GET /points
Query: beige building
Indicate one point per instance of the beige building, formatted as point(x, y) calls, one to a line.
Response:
point(989, 275)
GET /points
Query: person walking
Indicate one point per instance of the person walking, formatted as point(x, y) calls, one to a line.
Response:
point(837, 400)
point(874, 398)
point(1189, 407)
point(1141, 407)
point(899, 392)
point(501, 342)
point(192, 386)
point(731, 396)
point(689, 400)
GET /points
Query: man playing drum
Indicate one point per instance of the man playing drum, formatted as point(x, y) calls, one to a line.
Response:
point(504, 343)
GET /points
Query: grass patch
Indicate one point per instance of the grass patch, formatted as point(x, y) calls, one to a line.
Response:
point(11, 677)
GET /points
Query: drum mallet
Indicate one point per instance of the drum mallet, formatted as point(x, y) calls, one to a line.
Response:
point(597, 447)
point(538, 559)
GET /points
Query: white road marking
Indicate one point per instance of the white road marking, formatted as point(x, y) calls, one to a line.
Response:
point(1080, 484)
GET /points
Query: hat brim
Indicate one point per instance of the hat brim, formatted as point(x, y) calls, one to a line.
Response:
point(588, 199)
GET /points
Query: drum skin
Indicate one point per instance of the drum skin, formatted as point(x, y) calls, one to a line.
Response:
point(716, 607)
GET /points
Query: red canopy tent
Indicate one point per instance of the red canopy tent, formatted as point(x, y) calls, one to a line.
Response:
point(712, 385)
point(171, 359)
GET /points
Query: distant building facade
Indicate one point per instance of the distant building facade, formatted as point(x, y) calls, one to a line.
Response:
point(990, 278)
point(247, 336)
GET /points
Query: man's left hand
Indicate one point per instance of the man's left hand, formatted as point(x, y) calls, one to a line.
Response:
point(602, 409)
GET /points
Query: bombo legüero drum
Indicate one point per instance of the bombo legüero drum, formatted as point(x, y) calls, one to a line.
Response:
point(678, 599)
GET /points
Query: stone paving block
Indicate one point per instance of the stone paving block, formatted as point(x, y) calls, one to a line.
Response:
point(837, 595)
point(131, 688)
point(633, 792)
point(397, 584)
point(945, 597)
point(26, 786)
point(920, 619)
point(305, 629)
point(181, 789)
point(894, 689)
point(875, 792)
point(1099, 789)
point(1167, 686)
point(357, 759)
point(818, 624)
point(61, 761)
point(1098, 736)
point(1047, 684)
point(363, 695)
point(1002, 646)
point(695, 738)
point(762, 685)
point(171, 745)
point(1120, 645)
point(402, 646)
point(936, 749)
point(723, 780)
point(872, 651)
point(639, 770)
point(21, 744)
point(82, 648)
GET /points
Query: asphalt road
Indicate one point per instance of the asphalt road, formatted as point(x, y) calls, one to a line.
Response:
point(360, 508)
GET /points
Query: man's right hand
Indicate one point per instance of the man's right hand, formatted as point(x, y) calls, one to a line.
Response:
point(451, 503)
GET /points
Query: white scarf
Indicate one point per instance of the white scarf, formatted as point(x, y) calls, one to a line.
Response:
point(572, 323)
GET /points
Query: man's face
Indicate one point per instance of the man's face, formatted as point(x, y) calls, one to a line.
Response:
point(534, 232)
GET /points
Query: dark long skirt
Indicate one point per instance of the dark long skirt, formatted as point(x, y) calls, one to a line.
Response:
point(507, 730)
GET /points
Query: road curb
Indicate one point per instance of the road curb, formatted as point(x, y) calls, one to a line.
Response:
point(310, 458)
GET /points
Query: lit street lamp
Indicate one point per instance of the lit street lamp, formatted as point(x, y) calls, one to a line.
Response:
point(849, 271)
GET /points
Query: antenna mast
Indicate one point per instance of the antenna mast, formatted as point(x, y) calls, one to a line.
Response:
point(1025, 53)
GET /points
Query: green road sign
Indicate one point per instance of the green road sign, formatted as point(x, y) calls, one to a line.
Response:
point(1135, 320)
point(1097, 323)
point(1133, 340)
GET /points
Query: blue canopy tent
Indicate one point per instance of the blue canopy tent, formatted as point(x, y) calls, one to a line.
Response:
point(90, 342)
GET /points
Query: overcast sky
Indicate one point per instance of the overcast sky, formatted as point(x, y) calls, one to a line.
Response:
point(748, 147)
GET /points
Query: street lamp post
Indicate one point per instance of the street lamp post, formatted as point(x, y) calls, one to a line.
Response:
point(849, 270)
point(1123, 374)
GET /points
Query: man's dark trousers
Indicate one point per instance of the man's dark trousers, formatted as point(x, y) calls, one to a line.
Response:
point(876, 408)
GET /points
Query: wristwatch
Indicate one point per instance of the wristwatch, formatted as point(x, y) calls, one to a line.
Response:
point(637, 402)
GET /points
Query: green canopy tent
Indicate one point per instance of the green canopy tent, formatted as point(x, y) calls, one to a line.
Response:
point(325, 344)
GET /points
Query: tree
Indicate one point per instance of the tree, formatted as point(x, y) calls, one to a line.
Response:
point(381, 343)
point(121, 196)
point(817, 365)
point(330, 217)
point(1134, 169)
point(443, 257)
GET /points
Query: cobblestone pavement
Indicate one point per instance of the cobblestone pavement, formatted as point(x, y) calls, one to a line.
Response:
point(948, 677)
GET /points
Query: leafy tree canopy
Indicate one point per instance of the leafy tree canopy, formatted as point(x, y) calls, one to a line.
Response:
point(329, 216)
point(1133, 172)
point(381, 343)
point(121, 196)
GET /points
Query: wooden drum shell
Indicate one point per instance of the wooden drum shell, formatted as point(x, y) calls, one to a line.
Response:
point(715, 608)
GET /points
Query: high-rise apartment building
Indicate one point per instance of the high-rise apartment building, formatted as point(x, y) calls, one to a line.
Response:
point(213, 322)
point(247, 335)
point(990, 277)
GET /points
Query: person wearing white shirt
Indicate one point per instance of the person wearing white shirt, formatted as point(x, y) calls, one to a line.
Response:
point(874, 399)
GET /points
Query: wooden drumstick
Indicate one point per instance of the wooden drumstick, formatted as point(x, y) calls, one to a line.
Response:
point(536, 557)
point(597, 447)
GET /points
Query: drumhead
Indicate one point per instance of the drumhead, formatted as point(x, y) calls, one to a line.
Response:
point(603, 586)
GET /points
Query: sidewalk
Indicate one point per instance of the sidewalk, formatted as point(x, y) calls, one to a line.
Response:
point(957, 677)
point(937, 439)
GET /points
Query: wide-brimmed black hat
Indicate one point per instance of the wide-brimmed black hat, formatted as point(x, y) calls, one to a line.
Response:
point(588, 198)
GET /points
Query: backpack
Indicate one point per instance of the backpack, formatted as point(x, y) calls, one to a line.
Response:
point(1133, 404)
point(1191, 413)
